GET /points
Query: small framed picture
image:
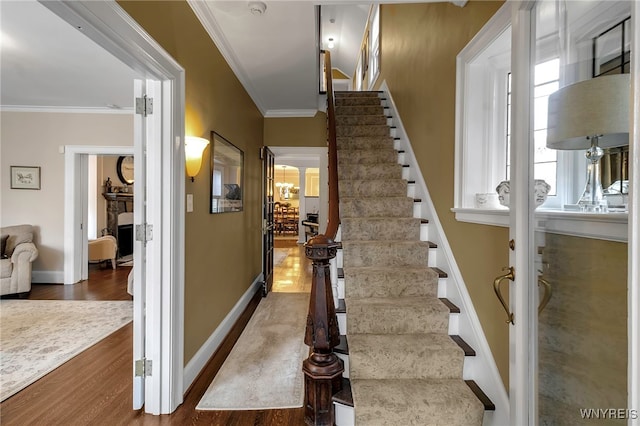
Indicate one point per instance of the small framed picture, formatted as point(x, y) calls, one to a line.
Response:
point(25, 177)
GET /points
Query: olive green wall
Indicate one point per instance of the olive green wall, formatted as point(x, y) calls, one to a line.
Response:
point(296, 131)
point(223, 251)
point(418, 62)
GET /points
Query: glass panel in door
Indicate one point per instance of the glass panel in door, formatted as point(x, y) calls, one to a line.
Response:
point(578, 261)
point(268, 218)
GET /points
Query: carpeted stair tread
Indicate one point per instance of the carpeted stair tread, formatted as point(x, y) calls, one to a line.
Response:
point(404, 356)
point(367, 156)
point(375, 130)
point(357, 94)
point(371, 171)
point(357, 101)
point(381, 228)
point(376, 207)
point(359, 110)
point(385, 253)
point(375, 281)
point(372, 187)
point(351, 143)
point(401, 315)
point(418, 402)
point(360, 120)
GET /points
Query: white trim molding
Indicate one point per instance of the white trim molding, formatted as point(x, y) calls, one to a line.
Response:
point(633, 321)
point(67, 109)
point(605, 226)
point(47, 277)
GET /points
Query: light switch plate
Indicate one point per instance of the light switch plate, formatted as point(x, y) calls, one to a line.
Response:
point(189, 203)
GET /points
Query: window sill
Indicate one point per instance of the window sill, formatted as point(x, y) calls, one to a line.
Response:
point(603, 226)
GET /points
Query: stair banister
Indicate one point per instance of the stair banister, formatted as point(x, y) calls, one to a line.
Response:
point(323, 369)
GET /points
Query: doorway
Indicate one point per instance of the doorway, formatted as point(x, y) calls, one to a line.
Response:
point(161, 320)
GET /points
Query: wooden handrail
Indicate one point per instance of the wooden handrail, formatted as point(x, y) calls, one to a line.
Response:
point(323, 370)
point(334, 199)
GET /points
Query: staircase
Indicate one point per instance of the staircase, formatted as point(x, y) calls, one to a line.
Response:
point(403, 367)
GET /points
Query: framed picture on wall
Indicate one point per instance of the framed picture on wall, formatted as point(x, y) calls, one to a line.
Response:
point(227, 170)
point(25, 177)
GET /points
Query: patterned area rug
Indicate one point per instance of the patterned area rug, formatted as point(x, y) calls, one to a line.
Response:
point(264, 368)
point(37, 336)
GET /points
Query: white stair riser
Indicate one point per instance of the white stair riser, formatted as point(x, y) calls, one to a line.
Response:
point(342, 323)
point(424, 232)
point(340, 288)
point(433, 254)
point(345, 415)
point(442, 287)
point(417, 210)
point(454, 324)
point(345, 361)
point(411, 190)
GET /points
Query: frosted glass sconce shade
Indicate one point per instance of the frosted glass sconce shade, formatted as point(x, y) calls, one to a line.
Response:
point(193, 148)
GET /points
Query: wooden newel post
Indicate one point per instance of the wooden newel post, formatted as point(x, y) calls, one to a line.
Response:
point(323, 369)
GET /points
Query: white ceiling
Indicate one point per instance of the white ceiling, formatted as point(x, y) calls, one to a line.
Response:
point(47, 63)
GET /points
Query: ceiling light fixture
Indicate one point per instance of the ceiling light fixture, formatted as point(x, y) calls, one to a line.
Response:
point(331, 44)
point(257, 7)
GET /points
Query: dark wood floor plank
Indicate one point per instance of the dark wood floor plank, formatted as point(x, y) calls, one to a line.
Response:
point(95, 387)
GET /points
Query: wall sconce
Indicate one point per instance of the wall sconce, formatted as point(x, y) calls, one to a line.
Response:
point(193, 148)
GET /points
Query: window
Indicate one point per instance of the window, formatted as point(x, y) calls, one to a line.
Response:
point(564, 54)
point(547, 81)
point(374, 45)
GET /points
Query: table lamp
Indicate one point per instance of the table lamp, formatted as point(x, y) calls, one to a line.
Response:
point(591, 115)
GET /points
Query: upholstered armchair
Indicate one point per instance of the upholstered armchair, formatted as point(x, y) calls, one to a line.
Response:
point(17, 254)
point(104, 248)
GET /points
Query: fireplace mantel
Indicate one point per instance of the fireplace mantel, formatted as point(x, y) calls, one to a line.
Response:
point(117, 202)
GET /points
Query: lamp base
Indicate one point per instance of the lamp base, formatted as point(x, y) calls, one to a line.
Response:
point(593, 207)
point(592, 199)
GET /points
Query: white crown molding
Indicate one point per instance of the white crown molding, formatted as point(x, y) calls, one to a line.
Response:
point(66, 110)
point(210, 24)
point(281, 113)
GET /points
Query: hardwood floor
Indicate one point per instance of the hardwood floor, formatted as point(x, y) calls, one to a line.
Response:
point(94, 388)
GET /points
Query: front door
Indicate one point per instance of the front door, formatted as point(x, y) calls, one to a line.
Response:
point(569, 286)
point(267, 218)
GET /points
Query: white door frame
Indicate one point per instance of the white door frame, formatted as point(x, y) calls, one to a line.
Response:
point(633, 294)
point(523, 337)
point(107, 24)
point(75, 213)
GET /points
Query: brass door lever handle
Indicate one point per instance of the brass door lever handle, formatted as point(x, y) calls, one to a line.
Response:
point(547, 294)
point(496, 287)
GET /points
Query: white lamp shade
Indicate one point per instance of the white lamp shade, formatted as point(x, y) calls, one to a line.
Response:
point(193, 148)
point(596, 107)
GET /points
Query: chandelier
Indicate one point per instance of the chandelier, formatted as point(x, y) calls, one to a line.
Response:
point(284, 187)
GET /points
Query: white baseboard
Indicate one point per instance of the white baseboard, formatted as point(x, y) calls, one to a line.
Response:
point(47, 277)
point(206, 351)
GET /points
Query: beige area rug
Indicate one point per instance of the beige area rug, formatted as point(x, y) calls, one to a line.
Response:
point(264, 368)
point(279, 255)
point(37, 336)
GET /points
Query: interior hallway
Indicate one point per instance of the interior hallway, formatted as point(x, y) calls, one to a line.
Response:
point(95, 387)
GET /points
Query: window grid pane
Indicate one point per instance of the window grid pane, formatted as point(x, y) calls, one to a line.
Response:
point(546, 79)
